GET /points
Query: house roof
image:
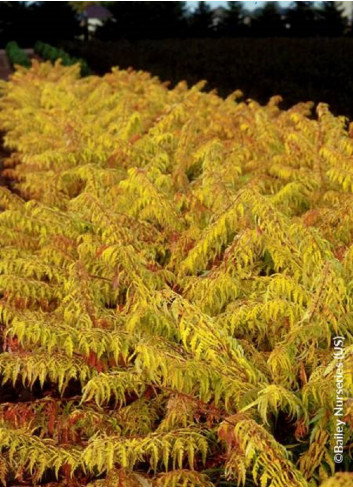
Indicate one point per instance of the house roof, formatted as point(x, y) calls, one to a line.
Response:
point(96, 12)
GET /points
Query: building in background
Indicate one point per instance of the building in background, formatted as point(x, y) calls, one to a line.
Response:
point(93, 16)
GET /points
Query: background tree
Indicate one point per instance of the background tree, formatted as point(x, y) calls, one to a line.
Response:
point(201, 21)
point(232, 23)
point(80, 7)
point(12, 23)
point(301, 18)
point(332, 22)
point(27, 22)
point(53, 22)
point(268, 21)
point(144, 20)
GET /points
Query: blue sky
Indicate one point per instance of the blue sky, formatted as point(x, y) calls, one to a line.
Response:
point(253, 5)
point(248, 5)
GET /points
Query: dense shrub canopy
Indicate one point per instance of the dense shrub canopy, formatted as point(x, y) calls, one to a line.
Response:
point(16, 55)
point(173, 269)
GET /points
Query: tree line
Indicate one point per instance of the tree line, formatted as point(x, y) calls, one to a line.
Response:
point(154, 20)
point(56, 21)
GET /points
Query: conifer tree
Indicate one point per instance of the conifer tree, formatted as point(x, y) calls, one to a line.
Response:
point(302, 19)
point(201, 21)
point(331, 20)
point(232, 23)
point(268, 21)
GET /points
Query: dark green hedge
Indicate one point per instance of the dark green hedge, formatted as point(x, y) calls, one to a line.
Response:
point(16, 55)
point(51, 53)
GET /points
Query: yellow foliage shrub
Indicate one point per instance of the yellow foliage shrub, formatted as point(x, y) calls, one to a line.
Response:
point(173, 269)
